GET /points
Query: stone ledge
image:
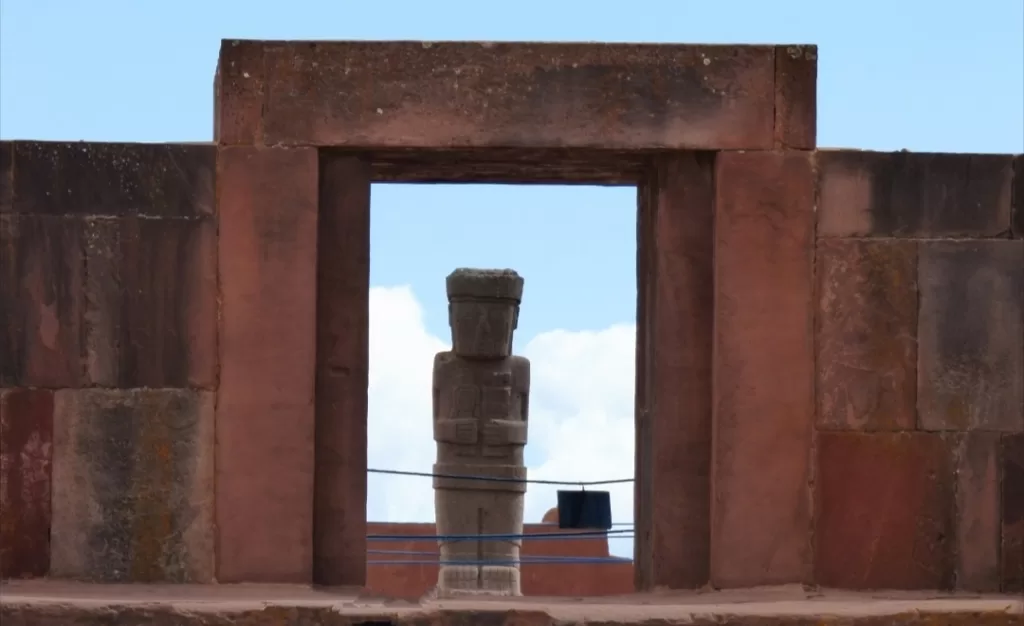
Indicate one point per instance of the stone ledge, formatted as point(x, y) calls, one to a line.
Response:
point(51, 602)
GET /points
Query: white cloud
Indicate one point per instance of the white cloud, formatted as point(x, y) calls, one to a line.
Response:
point(581, 411)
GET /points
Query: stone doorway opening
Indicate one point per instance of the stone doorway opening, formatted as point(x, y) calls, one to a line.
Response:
point(674, 311)
point(575, 246)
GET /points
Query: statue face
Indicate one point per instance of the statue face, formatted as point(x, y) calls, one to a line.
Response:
point(482, 328)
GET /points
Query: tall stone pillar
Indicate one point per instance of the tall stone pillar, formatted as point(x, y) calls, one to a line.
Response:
point(481, 397)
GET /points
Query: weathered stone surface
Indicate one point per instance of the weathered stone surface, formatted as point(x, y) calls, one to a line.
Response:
point(483, 312)
point(509, 165)
point(673, 373)
point(885, 511)
point(113, 179)
point(6, 176)
point(1018, 196)
point(905, 194)
point(1012, 577)
point(481, 398)
point(342, 352)
point(267, 205)
point(867, 334)
point(763, 369)
point(26, 440)
point(796, 97)
point(501, 95)
point(41, 279)
point(977, 511)
point(133, 485)
point(291, 607)
point(151, 302)
point(971, 335)
point(239, 89)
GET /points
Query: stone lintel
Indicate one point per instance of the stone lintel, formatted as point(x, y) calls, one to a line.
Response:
point(452, 95)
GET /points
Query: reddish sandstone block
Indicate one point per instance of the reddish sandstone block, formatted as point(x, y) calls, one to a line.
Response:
point(26, 440)
point(977, 512)
point(497, 95)
point(343, 311)
point(763, 369)
point(133, 485)
point(151, 302)
point(1012, 576)
point(885, 504)
point(867, 335)
point(905, 194)
point(267, 205)
point(238, 93)
point(971, 327)
point(113, 179)
point(673, 395)
point(796, 97)
point(41, 279)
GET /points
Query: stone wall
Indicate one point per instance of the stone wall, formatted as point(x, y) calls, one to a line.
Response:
point(863, 387)
point(108, 360)
point(920, 371)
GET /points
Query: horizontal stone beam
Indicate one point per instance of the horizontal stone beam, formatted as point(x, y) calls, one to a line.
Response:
point(515, 95)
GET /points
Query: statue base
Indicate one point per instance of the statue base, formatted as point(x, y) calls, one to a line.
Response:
point(460, 581)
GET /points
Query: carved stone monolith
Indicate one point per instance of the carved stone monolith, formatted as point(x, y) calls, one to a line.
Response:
point(481, 397)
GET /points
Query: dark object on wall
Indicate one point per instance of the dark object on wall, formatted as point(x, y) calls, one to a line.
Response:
point(584, 509)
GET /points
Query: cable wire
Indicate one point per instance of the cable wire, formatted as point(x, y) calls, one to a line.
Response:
point(542, 561)
point(577, 483)
point(525, 558)
point(501, 537)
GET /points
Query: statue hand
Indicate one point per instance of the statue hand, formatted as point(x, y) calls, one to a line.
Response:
point(504, 433)
point(460, 431)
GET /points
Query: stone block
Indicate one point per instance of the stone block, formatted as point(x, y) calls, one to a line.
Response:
point(906, 194)
point(763, 369)
point(26, 442)
point(796, 97)
point(342, 336)
point(1012, 453)
point(41, 301)
point(133, 485)
point(977, 511)
point(113, 179)
point(151, 302)
point(496, 95)
point(885, 511)
point(867, 334)
point(971, 335)
point(6, 176)
point(238, 92)
point(1018, 196)
point(673, 394)
point(267, 206)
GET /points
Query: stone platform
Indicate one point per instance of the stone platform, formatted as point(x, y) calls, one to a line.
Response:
point(51, 603)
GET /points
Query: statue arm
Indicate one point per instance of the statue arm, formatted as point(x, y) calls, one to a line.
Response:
point(521, 384)
point(437, 380)
point(447, 430)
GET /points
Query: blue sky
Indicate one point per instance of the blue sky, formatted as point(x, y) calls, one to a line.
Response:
point(920, 75)
point(901, 74)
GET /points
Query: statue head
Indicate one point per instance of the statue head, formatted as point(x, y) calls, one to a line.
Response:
point(483, 311)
